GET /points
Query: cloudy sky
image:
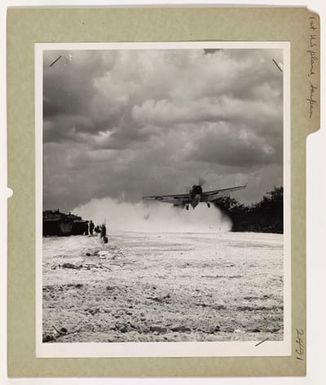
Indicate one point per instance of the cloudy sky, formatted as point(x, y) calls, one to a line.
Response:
point(121, 124)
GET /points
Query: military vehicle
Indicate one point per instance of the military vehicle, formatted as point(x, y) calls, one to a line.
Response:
point(61, 224)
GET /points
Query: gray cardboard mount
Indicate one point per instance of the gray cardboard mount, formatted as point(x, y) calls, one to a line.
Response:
point(27, 26)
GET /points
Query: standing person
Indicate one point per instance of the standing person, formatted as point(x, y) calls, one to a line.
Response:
point(91, 227)
point(103, 231)
point(103, 234)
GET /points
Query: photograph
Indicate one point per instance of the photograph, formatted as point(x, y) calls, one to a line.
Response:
point(165, 190)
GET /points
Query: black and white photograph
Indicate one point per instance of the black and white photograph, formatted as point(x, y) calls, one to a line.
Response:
point(164, 204)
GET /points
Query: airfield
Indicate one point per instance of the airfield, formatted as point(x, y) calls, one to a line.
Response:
point(149, 286)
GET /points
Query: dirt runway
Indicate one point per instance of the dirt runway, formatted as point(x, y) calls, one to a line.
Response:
point(163, 287)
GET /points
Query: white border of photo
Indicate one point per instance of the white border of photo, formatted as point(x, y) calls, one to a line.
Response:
point(164, 349)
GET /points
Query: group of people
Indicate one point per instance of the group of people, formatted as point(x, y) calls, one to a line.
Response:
point(98, 230)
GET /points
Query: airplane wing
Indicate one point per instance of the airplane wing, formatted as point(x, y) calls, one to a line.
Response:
point(177, 200)
point(209, 196)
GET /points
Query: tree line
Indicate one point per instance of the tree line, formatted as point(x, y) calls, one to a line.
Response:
point(265, 216)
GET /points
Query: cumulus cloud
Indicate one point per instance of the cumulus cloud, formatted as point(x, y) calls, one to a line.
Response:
point(127, 123)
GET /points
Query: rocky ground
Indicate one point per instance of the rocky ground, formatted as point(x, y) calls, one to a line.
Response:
point(163, 287)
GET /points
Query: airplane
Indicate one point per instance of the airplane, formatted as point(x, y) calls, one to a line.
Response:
point(194, 197)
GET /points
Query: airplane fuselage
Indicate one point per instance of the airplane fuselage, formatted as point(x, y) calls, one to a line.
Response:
point(195, 193)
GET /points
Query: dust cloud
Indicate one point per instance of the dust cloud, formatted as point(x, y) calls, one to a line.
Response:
point(153, 217)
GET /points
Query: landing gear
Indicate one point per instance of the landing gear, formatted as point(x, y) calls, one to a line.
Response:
point(187, 207)
point(208, 205)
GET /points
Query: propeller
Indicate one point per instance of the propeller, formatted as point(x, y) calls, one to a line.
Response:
point(201, 183)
